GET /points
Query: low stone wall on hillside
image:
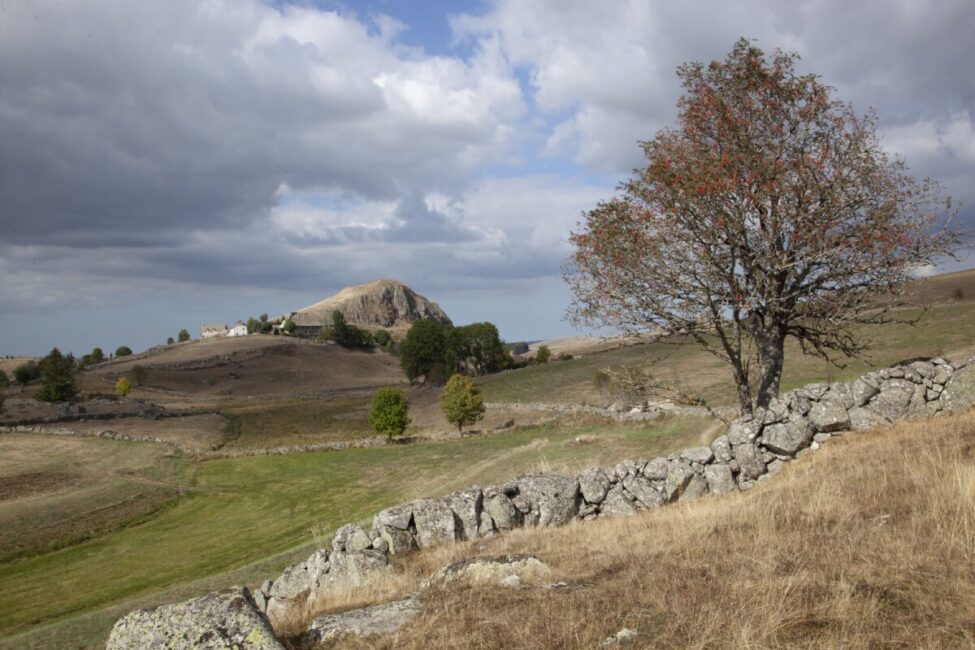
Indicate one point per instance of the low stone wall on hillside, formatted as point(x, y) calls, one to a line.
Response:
point(754, 449)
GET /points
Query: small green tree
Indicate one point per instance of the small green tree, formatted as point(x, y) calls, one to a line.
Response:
point(122, 387)
point(4, 379)
point(57, 378)
point(95, 356)
point(390, 411)
point(288, 327)
point(543, 354)
point(170, 341)
point(183, 336)
point(124, 350)
point(461, 401)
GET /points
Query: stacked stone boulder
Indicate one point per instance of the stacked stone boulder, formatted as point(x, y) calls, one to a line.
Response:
point(753, 449)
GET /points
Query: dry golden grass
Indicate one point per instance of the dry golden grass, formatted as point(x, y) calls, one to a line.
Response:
point(868, 543)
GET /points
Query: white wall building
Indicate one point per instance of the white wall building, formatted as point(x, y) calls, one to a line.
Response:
point(237, 329)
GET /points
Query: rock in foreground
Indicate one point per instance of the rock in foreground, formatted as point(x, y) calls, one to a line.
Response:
point(367, 621)
point(222, 620)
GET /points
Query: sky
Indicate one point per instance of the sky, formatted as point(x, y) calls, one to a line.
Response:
point(166, 163)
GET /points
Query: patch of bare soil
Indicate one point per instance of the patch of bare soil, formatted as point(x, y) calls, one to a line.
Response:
point(31, 483)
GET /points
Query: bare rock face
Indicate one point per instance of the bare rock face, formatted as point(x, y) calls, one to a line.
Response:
point(959, 392)
point(223, 619)
point(381, 303)
point(554, 498)
point(366, 621)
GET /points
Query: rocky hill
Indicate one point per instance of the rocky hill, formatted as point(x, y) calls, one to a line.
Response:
point(382, 303)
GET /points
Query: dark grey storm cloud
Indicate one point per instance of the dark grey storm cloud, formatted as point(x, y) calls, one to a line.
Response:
point(162, 150)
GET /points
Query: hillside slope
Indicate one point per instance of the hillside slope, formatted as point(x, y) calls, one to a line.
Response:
point(255, 365)
point(869, 542)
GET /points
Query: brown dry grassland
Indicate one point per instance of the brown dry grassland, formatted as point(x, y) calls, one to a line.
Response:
point(867, 543)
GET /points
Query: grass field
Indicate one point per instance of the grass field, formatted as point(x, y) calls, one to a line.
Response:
point(246, 510)
point(56, 491)
point(943, 330)
point(867, 543)
point(297, 422)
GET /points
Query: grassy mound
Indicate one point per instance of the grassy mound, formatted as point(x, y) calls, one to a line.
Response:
point(869, 542)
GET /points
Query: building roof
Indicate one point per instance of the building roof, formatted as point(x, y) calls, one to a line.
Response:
point(308, 320)
point(238, 324)
point(214, 326)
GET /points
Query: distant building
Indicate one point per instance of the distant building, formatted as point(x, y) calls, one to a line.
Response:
point(212, 331)
point(307, 326)
point(237, 329)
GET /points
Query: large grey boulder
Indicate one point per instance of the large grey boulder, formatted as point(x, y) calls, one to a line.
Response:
point(434, 521)
point(394, 527)
point(366, 621)
point(696, 488)
point(678, 478)
point(702, 455)
point(789, 437)
point(721, 449)
point(502, 510)
point(720, 479)
point(617, 504)
point(353, 569)
point(865, 418)
point(959, 392)
point(350, 538)
point(466, 506)
point(742, 431)
point(657, 469)
point(751, 465)
point(294, 586)
point(863, 390)
point(221, 620)
point(829, 414)
point(593, 485)
point(894, 399)
point(644, 492)
point(554, 498)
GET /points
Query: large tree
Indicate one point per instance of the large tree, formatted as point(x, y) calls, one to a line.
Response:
point(771, 211)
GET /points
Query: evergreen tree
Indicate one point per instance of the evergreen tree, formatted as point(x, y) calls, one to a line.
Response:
point(57, 378)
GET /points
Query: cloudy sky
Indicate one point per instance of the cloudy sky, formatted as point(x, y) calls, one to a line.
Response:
point(169, 162)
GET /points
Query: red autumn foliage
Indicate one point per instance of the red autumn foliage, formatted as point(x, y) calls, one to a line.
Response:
point(770, 211)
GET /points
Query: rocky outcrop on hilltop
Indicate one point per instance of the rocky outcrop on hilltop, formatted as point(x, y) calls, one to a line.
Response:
point(381, 303)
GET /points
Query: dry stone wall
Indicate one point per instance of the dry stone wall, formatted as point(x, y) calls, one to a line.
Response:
point(754, 449)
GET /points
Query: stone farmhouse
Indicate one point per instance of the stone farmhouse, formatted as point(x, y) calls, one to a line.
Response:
point(213, 330)
point(307, 326)
point(216, 330)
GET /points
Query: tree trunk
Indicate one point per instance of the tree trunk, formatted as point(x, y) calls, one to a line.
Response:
point(744, 392)
point(771, 354)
